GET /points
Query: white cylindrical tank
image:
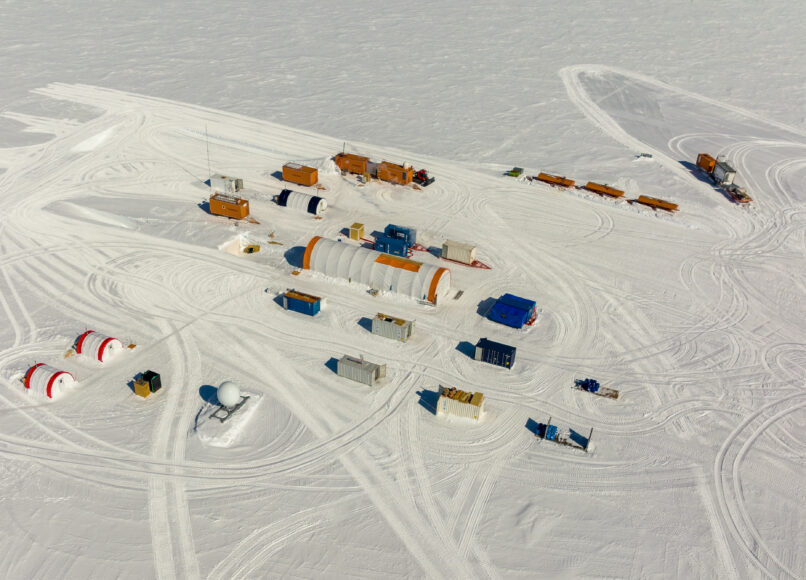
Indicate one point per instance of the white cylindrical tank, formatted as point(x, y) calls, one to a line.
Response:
point(47, 381)
point(229, 394)
point(99, 346)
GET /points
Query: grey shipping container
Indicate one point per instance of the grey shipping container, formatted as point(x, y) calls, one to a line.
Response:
point(359, 370)
point(724, 173)
point(391, 327)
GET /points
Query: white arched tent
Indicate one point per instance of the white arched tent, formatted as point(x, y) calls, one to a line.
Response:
point(377, 270)
point(304, 202)
point(47, 381)
point(98, 346)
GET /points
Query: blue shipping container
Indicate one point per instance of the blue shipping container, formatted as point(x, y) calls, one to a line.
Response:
point(551, 432)
point(394, 246)
point(401, 233)
point(303, 303)
point(512, 310)
point(495, 353)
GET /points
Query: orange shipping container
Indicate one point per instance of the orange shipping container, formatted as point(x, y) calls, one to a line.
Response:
point(395, 173)
point(555, 180)
point(352, 163)
point(603, 189)
point(229, 206)
point(656, 203)
point(706, 162)
point(300, 174)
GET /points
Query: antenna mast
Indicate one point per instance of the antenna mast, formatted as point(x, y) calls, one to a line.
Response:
point(207, 140)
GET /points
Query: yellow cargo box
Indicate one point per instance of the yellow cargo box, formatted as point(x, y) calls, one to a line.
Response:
point(142, 388)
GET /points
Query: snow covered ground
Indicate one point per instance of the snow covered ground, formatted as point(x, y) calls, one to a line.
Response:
point(696, 471)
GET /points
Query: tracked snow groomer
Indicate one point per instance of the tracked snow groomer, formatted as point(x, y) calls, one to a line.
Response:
point(421, 178)
point(722, 174)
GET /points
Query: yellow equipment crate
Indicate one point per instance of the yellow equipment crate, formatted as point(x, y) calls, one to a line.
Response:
point(142, 388)
point(356, 231)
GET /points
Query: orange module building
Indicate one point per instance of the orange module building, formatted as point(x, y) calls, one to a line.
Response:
point(706, 162)
point(300, 174)
point(229, 206)
point(395, 173)
point(352, 163)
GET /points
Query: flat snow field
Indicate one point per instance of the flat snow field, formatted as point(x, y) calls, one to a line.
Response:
point(697, 470)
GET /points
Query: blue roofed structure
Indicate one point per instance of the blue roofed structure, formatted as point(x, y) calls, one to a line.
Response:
point(513, 311)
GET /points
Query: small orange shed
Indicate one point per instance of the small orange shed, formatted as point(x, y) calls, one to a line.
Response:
point(300, 174)
point(395, 173)
point(603, 189)
point(555, 180)
point(656, 203)
point(352, 163)
point(706, 162)
point(229, 206)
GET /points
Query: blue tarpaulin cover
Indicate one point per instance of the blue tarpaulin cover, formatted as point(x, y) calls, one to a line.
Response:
point(512, 310)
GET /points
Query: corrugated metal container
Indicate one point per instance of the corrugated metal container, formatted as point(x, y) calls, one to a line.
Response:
point(394, 246)
point(395, 173)
point(401, 233)
point(229, 206)
point(224, 184)
point(459, 403)
point(724, 173)
point(459, 252)
point(301, 302)
point(391, 327)
point(512, 311)
point(301, 174)
point(356, 231)
point(495, 353)
point(312, 204)
point(551, 432)
point(603, 189)
point(153, 380)
point(359, 370)
point(555, 180)
point(706, 162)
point(654, 202)
point(351, 163)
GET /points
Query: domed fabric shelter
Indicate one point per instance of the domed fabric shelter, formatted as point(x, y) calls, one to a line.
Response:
point(98, 346)
point(47, 381)
point(302, 202)
point(377, 270)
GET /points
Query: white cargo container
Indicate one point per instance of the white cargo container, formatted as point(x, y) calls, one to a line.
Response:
point(724, 173)
point(391, 327)
point(459, 252)
point(460, 403)
point(224, 184)
point(359, 370)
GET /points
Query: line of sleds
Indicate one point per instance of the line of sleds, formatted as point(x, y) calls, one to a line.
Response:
point(562, 182)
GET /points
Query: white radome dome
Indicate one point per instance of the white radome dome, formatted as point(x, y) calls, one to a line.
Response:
point(229, 394)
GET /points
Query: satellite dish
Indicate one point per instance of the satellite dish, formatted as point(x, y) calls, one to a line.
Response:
point(229, 394)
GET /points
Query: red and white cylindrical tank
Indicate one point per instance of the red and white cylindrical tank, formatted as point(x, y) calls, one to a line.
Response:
point(98, 346)
point(47, 381)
